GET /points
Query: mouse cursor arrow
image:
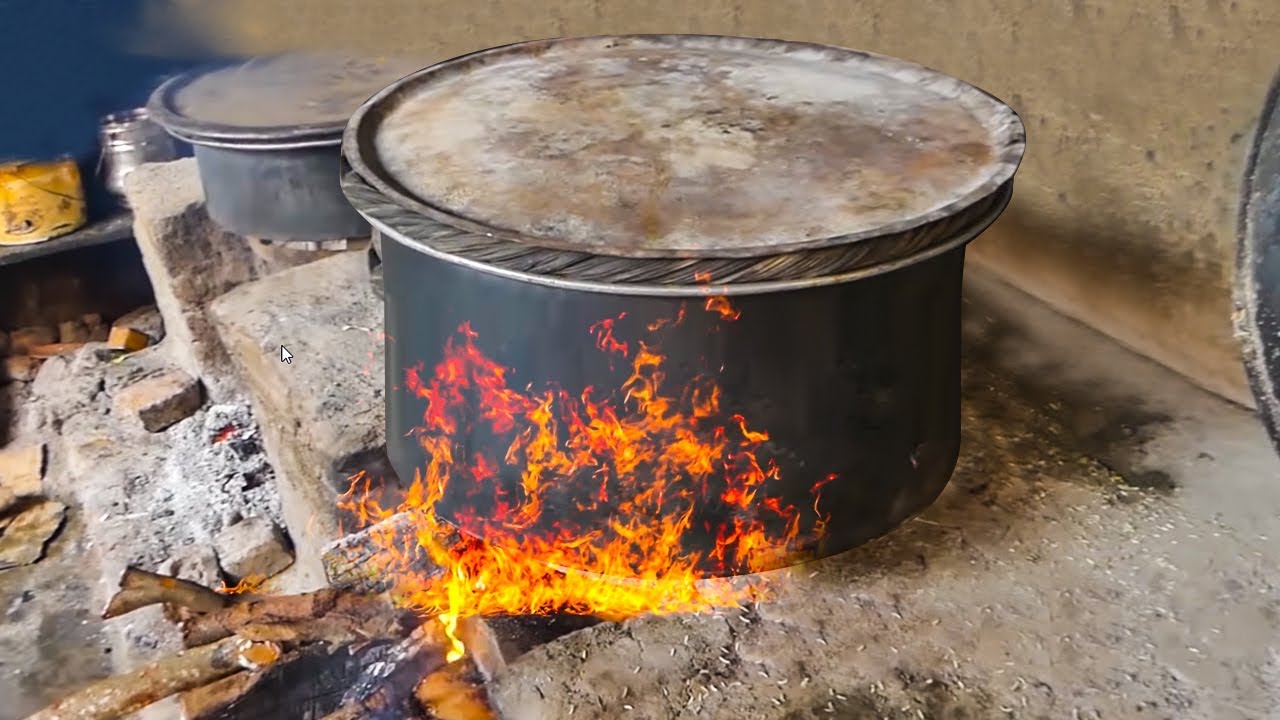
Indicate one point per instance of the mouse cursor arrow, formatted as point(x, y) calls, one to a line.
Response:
point(286, 357)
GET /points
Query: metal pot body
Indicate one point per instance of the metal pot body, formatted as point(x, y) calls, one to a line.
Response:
point(857, 379)
point(1257, 277)
point(283, 194)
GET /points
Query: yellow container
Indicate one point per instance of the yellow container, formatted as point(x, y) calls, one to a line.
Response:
point(39, 200)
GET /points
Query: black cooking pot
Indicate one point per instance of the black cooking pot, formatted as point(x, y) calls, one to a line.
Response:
point(845, 346)
point(1257, 276)
point(267, 134)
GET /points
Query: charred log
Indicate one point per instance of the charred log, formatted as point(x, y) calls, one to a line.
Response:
point(385, 690)
point(306, 685)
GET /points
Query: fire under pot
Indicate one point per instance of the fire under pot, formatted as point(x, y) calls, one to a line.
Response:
point(686, 292)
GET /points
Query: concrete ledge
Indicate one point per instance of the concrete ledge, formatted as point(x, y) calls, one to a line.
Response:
point(191, 261)
point(322, 413)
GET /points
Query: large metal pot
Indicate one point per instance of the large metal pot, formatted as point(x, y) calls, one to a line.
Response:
point(531, 191)
point(266, 135)
point(1257, 276)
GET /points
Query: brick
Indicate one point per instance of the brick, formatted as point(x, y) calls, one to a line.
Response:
point(73, 331)
point(19, 368)
point(127, 339)
point(97, 329)
point(23, 339)
point(161, 400)
point(253, 547)
point(146, 320)
point(21, 474)
point(55, 349)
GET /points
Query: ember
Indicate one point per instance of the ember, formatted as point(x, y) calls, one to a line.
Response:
point(652, 459)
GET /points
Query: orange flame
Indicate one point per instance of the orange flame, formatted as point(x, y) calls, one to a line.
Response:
point(247, 585)
point(632, 476)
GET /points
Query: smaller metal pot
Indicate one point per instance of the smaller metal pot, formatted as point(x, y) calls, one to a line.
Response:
point(267, 136)
point(129, 139)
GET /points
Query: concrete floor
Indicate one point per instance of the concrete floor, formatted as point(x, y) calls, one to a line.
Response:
point(1105, 550)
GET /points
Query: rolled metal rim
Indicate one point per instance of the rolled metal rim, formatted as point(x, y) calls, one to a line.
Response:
point(1257, 236)
point(673, 291)
point(163, 110)
point(357, 142)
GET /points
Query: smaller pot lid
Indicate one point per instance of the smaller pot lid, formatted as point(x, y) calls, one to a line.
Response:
point(683, 146)
point(275, 98)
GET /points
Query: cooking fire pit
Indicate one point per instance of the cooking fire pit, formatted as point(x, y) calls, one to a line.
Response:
point(676, 299)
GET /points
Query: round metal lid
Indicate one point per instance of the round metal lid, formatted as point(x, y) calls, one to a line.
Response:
point(683, 146)
point(293, 95)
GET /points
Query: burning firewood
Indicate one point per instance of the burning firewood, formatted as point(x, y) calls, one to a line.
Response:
point(139, 588)
point(358, 561)
point(307, 683)
point(333, 653)
point(385, 690)
point(456, 692)
point(117, 696)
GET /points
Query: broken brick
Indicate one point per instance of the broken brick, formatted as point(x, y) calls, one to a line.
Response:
point(161, 400)
point(55, 349)
point(72, 331)
point(21, 474)
point(19, 368)
point(127, 339)
point(252, 548)
point(146, 320)
point(23, 339)
point(98, 331)
point(27, 534)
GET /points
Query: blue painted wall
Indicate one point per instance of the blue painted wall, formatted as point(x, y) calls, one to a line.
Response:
point(65, 65)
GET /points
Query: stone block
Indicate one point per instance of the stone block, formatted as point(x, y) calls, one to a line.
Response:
point(252, 548)
point(322, 415)
point(191, 261)
point(161, 400)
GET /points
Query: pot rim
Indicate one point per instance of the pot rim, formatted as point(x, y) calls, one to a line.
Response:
point(163, 109)
point(1008, 131)
point(701, 291)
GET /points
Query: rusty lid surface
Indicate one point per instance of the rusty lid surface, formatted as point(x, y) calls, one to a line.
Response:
point(672, 146)
point(300, 93)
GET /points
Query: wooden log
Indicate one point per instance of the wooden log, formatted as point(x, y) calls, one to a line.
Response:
point(139, 588)
point(329, 615)
point(117, 696)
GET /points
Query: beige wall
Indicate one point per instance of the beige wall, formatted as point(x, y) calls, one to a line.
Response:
point(1138, 117)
